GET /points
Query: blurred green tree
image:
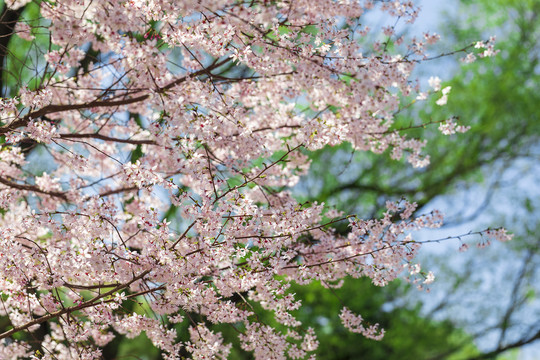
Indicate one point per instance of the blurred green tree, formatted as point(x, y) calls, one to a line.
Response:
point(498, 98)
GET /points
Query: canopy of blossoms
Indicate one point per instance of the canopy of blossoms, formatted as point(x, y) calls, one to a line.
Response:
point(203, 109)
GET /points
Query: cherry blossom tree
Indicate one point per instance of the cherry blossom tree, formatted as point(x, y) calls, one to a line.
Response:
point(202, 111)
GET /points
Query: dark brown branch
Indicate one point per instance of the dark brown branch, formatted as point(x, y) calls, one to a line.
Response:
point(183, 235)
point(89, 303)
point(90, 287)
point(33, 188)
point(118, 191)
point(102, 103)
point(107, 138)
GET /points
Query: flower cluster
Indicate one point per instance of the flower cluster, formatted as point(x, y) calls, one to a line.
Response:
point(450, 127)
point(173, 132)
point(354, 324)
point(141, 177)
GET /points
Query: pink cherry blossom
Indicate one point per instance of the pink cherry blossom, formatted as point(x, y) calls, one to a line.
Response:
point(173, 132)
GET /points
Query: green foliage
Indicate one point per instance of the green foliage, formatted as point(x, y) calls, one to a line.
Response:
point(22, 60)
point(408, 334)
point(138, 348)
